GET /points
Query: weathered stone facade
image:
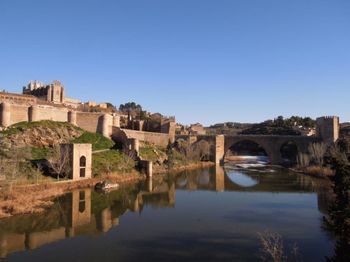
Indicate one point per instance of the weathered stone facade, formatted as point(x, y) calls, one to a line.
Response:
point(79, 160)
point(328, 128)
point(47, 102)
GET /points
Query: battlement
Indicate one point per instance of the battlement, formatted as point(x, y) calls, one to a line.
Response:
point(328, 117)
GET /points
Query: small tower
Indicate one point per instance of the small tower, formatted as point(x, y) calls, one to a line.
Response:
point(80, 159)
point(328, 128)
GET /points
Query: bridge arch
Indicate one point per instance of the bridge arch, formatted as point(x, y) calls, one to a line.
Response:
point(120, 138)
point(246, 144)
point(289, 151)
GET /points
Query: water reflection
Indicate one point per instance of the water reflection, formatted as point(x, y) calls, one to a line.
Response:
point(242, 179)
point(86, 213)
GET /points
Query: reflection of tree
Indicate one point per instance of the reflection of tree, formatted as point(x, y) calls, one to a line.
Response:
point(338, 221)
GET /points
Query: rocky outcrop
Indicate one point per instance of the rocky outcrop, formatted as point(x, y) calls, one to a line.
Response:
point(40, 136)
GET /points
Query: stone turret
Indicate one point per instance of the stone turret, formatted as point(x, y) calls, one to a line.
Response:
point(5, 111)
point(33, 114)
point(72, 117)
point(328, 128)
point(107, 122)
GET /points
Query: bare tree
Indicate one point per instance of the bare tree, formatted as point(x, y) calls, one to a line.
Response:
point(273, 249)
point(317, 152)
point(12, 162)
point(303, 160)
point(59, 161)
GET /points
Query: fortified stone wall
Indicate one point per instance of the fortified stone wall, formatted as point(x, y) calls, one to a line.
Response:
point(17, 99)
point(18, 113)
point(11, 114)
point(150, 137)
point(91, 122)
point(48, 113)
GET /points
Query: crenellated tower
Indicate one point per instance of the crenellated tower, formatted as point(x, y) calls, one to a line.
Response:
point(328, 128)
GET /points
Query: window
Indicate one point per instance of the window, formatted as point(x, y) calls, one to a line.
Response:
point(82, 164)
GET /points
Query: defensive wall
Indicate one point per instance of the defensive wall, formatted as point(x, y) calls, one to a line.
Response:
point(26, 108)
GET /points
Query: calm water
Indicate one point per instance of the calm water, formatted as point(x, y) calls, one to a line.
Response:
point(202, 215)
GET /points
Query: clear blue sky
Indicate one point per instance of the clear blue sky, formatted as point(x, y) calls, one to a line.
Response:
point(201, 60)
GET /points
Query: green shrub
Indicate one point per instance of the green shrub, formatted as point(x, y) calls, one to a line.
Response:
point(98, 141)
point(111, 161)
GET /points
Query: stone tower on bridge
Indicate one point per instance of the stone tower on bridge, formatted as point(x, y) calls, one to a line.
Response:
point(328, 128)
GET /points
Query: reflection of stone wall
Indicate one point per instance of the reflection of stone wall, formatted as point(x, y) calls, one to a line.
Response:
point(81, 208)
point(106, 221)
point(11, 242)
point(37, 239)
point(219, 178)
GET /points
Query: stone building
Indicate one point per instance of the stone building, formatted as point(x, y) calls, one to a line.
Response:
point(197, 129)
point(53, 93)
point(79, 158)
point(48, 102)
point(328, 128)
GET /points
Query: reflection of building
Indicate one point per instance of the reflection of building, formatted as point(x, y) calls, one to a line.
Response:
point(10, 243)
point(219, 178)
point(156, 195)
point(38, 239)
point(81, 208)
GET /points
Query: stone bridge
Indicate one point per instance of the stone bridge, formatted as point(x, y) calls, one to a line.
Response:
point(272, 144)
point(327, 131)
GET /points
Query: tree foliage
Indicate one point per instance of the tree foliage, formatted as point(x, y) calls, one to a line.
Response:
point(280, 126)
point(338, 220)
point(130, 107)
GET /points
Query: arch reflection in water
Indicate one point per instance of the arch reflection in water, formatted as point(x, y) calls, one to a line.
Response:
point(241, 179)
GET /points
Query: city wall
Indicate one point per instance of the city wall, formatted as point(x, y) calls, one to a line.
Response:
point(12, 113)
point(160, 139)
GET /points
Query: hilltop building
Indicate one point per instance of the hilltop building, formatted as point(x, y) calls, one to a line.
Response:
point(41, 101)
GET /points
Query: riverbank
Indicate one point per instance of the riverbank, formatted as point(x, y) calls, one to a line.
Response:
point(34, 198)
point(315, 171)
point(191, 166)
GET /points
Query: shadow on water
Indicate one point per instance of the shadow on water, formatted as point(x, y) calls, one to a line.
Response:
point(162, 218)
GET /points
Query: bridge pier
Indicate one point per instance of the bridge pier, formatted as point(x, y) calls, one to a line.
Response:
point(219, 149)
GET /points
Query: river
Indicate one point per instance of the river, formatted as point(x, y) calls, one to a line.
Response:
point(202, 215)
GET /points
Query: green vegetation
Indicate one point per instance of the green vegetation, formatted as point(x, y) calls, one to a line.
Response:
point(98, 141)
point(152, 153)
point(22, 126)
point(40, 153)
point(111, 161)
point(133, 109)
point(338, 221)
point(280, 126)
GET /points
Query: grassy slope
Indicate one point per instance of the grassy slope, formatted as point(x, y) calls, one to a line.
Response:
point(98, 141)
point(22, 126)
point(111, 161)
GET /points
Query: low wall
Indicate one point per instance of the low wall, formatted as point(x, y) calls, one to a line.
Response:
point(158, 139)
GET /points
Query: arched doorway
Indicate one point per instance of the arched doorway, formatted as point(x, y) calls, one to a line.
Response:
point(82, 166)
point(289, 153)
point(246, 150)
